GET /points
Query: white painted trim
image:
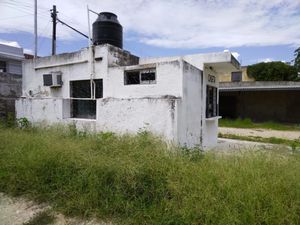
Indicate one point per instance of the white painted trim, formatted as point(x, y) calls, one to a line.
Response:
point(60, 64)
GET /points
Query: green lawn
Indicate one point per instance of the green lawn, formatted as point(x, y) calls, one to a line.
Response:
point(247, 123)
point(140, 180)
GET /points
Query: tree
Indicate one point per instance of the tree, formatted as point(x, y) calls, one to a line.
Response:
point(297, 59)
point(272, 71)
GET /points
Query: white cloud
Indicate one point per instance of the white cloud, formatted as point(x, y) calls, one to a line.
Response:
point(266, 60)
point(173, 23)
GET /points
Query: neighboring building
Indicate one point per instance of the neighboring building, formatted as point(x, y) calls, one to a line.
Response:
point(10, 78)
point(176, 97)
point(261, 101)
point(236, 76)
point(243, 97)
point(11, 59)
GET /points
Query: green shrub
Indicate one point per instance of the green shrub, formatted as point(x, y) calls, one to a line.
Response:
point(23, 123)
point(140, 180)
point(272, 71)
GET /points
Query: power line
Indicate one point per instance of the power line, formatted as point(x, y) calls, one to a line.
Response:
point(72, 28)
point(21, 8)
point(14, 17)
point(55, 19)
point(42, 40)
point(27, 5)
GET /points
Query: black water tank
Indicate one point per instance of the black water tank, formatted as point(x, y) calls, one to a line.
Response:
point(107, 30)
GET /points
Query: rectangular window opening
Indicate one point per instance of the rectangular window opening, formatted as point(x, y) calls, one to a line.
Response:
point(236, 76)
point(132, 78)
point(148, 77)
point(82, 106)
point(3, 66)
point(145, 76)
point(47, 78)
point(84, 109)
point(212, 109)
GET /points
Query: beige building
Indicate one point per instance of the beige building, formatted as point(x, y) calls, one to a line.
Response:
point(236, 76)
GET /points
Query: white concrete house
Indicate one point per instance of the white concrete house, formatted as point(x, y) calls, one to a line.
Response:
point(11, 59)
point(175, 97)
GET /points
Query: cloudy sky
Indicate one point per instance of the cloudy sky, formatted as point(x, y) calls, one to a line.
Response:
point(256, 30)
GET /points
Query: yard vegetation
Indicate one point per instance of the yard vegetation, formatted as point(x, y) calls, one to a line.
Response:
point(141, 180)
point(248, 123)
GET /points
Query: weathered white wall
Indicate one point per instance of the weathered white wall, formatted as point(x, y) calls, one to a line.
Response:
point(41, 110)
point(73, 66)
point(168, 82)
point(196, 60)
point(157, 115)
point(190, 108)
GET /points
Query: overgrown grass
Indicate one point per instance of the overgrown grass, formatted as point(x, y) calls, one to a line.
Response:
point(140, 180)
point(248, 123)
point(272, 140)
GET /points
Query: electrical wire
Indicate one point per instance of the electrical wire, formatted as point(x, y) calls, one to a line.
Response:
point(22, 8)
point(14, 17)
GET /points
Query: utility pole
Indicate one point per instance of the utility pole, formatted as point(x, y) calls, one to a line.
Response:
point(35, 29)
point(54, 18)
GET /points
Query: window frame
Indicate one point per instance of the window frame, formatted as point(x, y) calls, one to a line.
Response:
point(75, 101)
point(3, 67)
point(234, 76)
point(212, 105)
point(141, 72)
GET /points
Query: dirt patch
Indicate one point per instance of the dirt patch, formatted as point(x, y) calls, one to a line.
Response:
point(264, 133)
point(17, 211)
point(232, 146)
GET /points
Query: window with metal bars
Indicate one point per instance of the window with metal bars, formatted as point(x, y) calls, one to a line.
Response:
point(211, 101)
point(145, 76)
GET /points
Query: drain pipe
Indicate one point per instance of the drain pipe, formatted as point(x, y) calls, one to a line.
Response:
point(91, 59)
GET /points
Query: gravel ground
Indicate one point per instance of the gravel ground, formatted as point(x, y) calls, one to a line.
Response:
point(17, 211)
point(232, 145)
point(265, 133)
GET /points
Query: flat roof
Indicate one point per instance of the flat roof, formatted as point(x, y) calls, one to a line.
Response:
point(259, 86)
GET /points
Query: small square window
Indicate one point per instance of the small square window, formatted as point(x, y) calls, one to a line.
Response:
point(132, 77)
point(147, 77)
point(236, 76)
point(85, 109)
point(47, 78)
